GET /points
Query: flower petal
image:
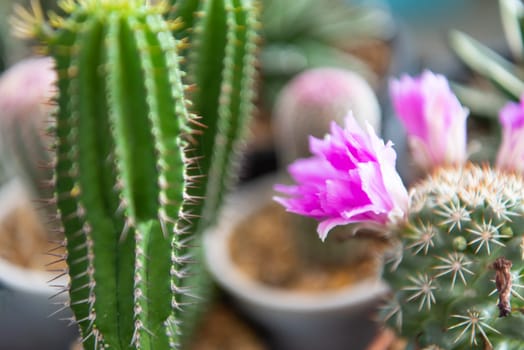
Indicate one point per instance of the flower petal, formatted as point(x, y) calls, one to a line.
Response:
point(433, 116)
point(351, 177)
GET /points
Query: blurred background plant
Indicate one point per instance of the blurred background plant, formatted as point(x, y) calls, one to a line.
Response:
point(26, 91)
point(498, 77)
point(305, 34)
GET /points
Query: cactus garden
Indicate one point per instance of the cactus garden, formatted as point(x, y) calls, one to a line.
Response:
point(127, 130)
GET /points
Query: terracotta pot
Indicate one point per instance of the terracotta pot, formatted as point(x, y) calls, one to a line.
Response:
point(329, 320)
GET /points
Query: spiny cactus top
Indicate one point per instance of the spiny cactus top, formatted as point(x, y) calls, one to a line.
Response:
point(126, 169)
point(456, 269)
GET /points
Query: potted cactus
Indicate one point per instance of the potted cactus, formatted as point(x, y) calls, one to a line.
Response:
point(133, 161)
point(455, 270)
point(304, 292)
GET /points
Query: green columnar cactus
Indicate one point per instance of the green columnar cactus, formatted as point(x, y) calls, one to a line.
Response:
point(463, 261)
point(223, 71)
point(128, 164)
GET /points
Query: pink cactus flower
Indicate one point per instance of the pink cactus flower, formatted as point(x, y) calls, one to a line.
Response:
point(350, 178)
point(433, 117)
point(511, 152)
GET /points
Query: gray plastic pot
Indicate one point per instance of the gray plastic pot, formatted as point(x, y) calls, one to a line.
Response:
point(333, 320)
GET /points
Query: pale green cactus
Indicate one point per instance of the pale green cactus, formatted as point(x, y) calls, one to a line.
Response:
point(131, 158)
point(458, 281)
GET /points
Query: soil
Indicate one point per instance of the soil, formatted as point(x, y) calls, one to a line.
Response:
point(222, 329)
point(263, 248)
point(24, 240)
point(386, 340)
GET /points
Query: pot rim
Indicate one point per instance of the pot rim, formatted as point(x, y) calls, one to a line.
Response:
point(246, 200)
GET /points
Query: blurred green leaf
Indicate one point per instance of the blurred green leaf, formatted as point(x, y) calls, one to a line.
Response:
point(511, 12)
point(481, 103)
point(489, 64)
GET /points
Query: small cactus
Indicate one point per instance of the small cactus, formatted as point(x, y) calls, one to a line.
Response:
point(456, 280)
point(312, 99)
point(129, 158)
point(26, 91)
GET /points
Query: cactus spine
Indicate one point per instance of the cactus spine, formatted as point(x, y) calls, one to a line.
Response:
point(127, 157)
point(459, 283)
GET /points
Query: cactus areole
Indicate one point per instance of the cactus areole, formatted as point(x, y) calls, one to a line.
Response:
point(126, 157)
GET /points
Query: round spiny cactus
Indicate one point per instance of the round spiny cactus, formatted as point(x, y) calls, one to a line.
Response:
point(456, 281)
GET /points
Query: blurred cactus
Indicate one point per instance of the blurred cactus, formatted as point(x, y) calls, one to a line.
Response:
point(26, 93)
point(305, 34)
point(458, 282)
point(310, 101)
point(128, 166)
point(222, 71)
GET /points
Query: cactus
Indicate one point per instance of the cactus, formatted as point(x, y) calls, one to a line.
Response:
point(26, 89)
point(127, 165)
point(457, 283)
point(312, 99)
point(221, 103)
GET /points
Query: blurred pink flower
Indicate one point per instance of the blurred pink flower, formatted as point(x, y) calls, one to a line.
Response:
point(511, 152)
point(350, 178)
point(433, 117)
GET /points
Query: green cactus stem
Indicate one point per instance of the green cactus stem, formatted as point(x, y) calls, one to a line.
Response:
point(128, 167)
point(459, 282)
point(223, 74)
point(221, 63)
